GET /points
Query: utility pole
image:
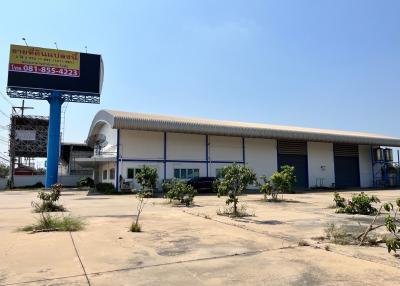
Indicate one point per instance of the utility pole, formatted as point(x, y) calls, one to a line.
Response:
point(23, 107)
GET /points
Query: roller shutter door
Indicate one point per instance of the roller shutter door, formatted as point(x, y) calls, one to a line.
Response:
point(347, 169)
point(294, 153)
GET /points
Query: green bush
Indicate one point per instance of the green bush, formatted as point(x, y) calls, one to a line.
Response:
point(180, 191)
point(359, 204)
point(48, 200)
point(340, 202)
point(280, 182)
point(85, 182)
point(106, 188)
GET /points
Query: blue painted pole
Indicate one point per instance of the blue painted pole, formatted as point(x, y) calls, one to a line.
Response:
point(53, 140)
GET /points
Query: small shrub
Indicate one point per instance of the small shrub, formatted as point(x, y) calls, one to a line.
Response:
point(48, 222)
point(181, 192)
point(279, 183)
point(48, 200)
point(85, 182)
point(359, 204)
point(106, 188)
point(340, 202)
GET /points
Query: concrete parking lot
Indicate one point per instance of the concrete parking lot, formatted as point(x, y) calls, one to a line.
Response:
point(188, 246)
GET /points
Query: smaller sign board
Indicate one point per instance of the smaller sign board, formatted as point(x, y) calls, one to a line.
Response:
point(25, 135)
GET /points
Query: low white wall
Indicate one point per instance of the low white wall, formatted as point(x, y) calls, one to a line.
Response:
point(3, 183)
point(25, 181)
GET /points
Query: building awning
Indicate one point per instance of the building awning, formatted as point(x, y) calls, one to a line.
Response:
point(150, 122)
point(91, 162)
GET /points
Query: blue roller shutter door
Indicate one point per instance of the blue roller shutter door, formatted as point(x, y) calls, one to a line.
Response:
point(347, 169)
point(294, 153)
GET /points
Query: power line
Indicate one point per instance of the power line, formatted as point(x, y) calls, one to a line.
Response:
point(5, 114)
point(6, 98)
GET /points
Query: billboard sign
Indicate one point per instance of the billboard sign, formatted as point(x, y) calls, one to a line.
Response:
point(40, 70)
point(44, 61)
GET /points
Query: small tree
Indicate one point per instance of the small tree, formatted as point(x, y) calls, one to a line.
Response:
point(147, 178)
point(235, 180)
point(136, 227)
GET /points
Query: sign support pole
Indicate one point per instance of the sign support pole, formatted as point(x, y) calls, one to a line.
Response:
point(53, 141)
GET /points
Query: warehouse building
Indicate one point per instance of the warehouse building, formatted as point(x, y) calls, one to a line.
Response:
point(185, 147)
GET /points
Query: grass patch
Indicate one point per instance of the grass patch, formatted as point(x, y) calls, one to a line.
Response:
point(241, 212)
point(135, 227)
point(47, 222)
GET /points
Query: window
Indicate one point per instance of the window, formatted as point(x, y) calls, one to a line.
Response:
point(218, 173)
point(112, 174)
point(131, 173)
point(104, 174)
point(186, 173)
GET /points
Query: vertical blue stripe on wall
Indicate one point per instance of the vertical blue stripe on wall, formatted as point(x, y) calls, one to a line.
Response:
point(117, 165)
point(207, 155)
point(243, 151)
point(165, 155)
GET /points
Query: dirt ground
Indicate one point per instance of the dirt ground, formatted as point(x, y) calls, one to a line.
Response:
point(188, 246)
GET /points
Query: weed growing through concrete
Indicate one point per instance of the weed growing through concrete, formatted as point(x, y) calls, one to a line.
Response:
point(47, 222)
point(48, 200)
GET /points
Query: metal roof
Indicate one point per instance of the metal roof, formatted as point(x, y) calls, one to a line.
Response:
point(150, 122)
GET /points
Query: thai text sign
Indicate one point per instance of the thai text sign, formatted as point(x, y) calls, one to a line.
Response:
point(44, 61)
point(25, 135)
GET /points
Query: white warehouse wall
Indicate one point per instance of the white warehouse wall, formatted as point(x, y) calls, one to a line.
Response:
point(141, 144)
point(320, 164)
point(182, 146)
point(261, 156)
point(365, 163)
point(224, 148)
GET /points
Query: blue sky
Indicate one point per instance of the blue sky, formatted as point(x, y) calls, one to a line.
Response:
point(327, 64)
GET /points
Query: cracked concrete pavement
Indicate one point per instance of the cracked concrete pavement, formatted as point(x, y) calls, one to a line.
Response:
point(187, 246)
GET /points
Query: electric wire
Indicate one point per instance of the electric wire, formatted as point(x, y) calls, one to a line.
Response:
point(6, 98)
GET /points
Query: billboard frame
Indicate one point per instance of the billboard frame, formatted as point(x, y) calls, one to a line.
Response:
point(43, 94)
